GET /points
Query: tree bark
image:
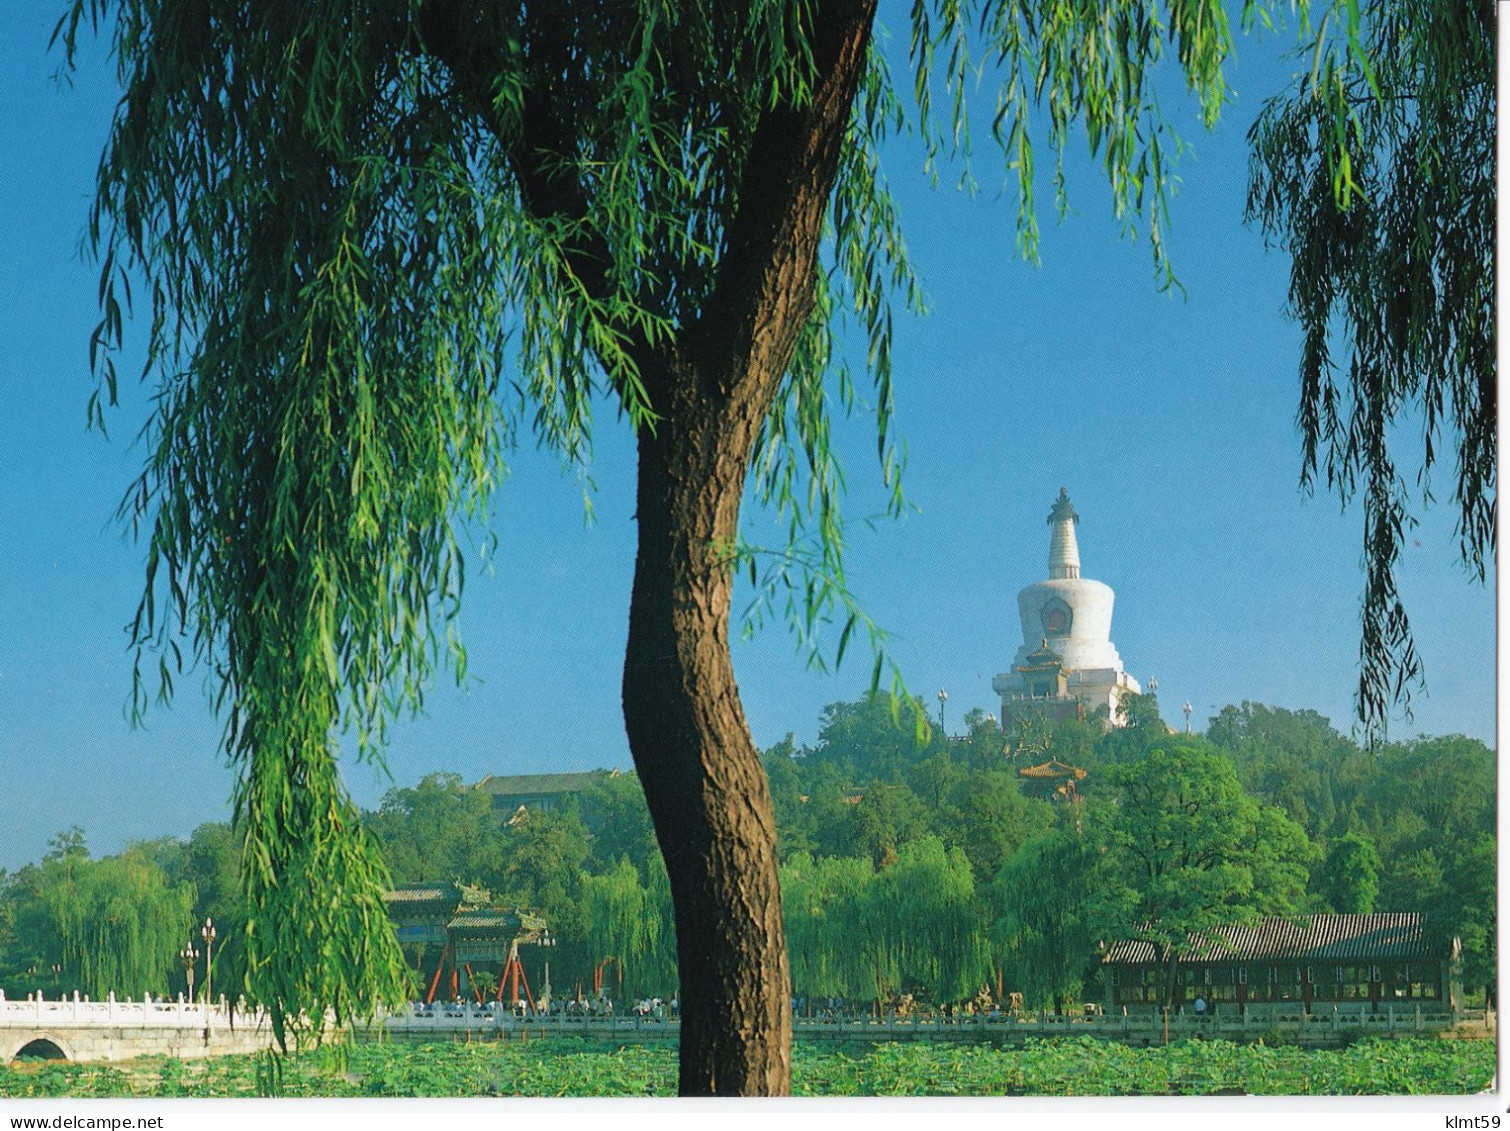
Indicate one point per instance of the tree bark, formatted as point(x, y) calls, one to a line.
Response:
point(704, 784)
point(710, 392)
point(703, 781)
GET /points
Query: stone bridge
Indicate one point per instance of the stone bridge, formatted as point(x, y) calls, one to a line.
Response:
point(79, 1029)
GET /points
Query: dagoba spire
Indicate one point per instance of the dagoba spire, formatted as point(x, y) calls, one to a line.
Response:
point(1064, 551)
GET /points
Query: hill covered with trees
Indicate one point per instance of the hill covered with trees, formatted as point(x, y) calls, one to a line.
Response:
point(911, 861)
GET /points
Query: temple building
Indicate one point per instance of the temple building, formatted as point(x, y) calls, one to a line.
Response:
point(1067, 664)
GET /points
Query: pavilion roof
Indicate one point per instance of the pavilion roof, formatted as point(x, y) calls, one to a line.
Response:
point(1323, 938)
point(1053, 768)
point(1041, 657)
point(494, 922)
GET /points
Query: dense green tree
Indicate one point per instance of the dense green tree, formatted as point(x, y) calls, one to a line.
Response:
point(441, 829)
point(1139, 728)
point(885, 818)
point(121, 921)
point(989, 818)
point(826, 900)
point(864, 933)
point(9, 882)
point(619, 824)
point(1447, 783)
point(789, 804)
point(1058, 900)
point(168, 853)
point(31, 943)
point(212, 864)
point(925, 923)
point(875, 739)
point(1195, 849)
point(827, 815)
point(1411, 879)
point(983, 746)
point(1139, 713)
point(660, 964)
point(1429, 807)
point(1293, 759)
point(1465, 908)
point(35, 959)
point(1347, 880)
point(622, 919)
point(541, 857)
point(934, 779)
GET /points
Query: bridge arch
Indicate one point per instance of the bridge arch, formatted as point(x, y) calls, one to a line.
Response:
point(47, 1046)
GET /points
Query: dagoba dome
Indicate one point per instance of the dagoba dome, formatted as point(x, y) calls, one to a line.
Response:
point(1067, 655)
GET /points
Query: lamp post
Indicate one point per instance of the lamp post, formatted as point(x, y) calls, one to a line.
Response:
point(943, 698)
point(546, 940)
point(207, 932)
point(190, 955)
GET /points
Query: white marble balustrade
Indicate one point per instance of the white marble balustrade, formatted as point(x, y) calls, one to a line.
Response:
point(38, 1010)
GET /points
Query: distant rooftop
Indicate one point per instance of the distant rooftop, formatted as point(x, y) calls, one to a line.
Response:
point(1325, 938)
point(1053, 769)
point(509, 785)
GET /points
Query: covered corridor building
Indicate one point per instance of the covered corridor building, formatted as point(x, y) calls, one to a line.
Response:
point(1362, 962)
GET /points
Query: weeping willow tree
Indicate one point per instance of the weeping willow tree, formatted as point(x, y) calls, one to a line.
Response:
point(122, 923)
point(624, 920)
point(863, 934)
point(929, 929)
point(383, 240)
point(825, 901)
point(1376, 172)
point(1058, 903)
point(658, 964)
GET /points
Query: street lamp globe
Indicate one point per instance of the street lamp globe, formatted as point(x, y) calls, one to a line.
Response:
point(189, 955)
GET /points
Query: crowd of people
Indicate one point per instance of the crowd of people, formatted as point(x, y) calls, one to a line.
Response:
point(901, 1007)
point(577, 1008)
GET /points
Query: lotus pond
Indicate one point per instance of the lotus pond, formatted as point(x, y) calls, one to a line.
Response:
point(1084, 1067)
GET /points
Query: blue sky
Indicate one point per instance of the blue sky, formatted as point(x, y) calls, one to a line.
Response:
point(1169, 420)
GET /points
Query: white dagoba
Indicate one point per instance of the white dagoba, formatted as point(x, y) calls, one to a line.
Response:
point(1067, 656)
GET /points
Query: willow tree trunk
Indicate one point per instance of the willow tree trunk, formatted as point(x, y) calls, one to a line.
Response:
point(702, 776)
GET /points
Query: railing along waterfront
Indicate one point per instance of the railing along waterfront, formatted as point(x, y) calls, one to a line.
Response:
point(37, 1011)
point(1320, 1024)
